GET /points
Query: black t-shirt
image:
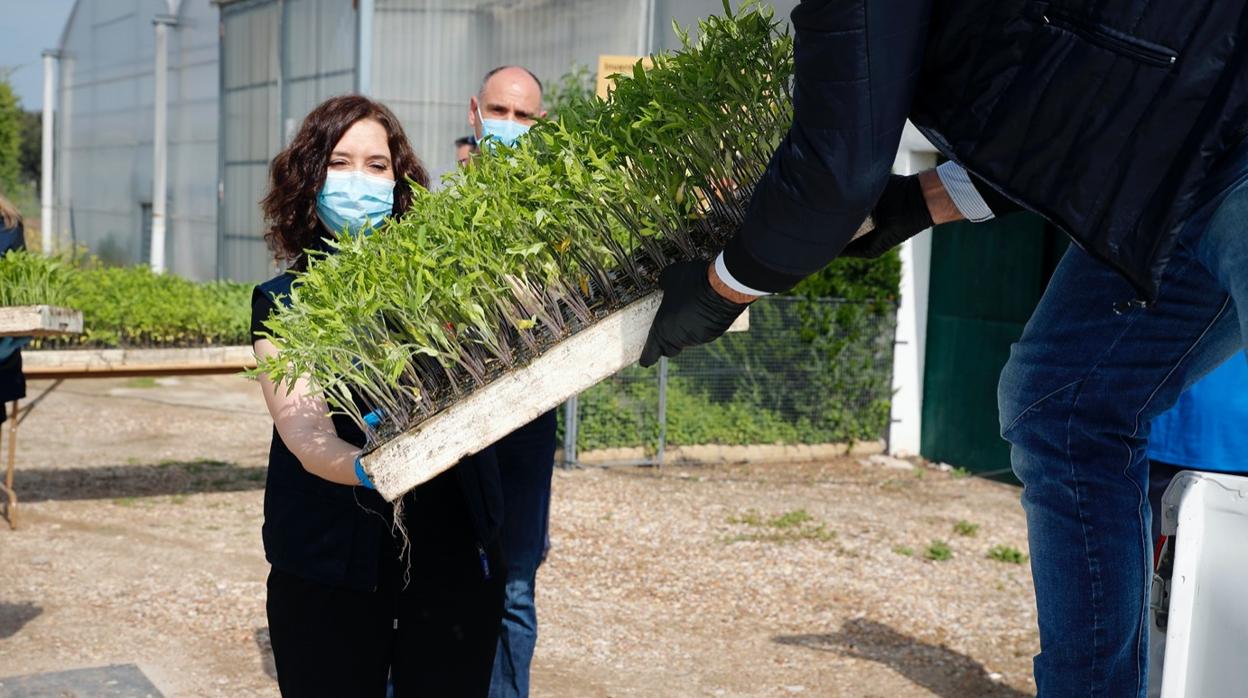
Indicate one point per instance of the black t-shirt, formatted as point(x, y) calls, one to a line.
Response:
point(341, 535)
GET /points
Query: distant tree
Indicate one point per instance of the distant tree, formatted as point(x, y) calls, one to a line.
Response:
point(10, 139)
point(32, 147)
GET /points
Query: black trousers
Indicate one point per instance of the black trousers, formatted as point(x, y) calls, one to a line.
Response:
point(437, 636)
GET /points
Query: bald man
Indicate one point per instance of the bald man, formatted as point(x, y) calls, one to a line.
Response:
point(510, 101)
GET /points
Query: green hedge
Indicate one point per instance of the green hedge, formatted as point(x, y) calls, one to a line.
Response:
point(808, 371)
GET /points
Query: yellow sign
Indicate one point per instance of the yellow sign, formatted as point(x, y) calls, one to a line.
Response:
point(611, 65)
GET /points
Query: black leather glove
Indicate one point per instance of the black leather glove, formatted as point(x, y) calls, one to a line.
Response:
point(691, 313)
point(900, 214)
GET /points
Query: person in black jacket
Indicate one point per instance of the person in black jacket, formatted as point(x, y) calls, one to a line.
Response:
point(1122, 123)
point(12, 382)
point(347, 606)
point(508, 103)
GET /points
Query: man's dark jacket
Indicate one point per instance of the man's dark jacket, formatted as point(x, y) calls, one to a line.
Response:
point(1104, 116)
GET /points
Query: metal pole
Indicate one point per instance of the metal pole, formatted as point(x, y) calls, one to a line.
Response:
point(645, 26)
point(63, 184)
point(285, 128)
point(658, 454)
point(221, 146)
point(364, 47)
point(569, 432)
point(9, 492)
point(160, 155)
point(51, 61)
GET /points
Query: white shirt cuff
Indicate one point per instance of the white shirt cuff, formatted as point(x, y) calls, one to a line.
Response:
point(721, 270)
point(963, 193)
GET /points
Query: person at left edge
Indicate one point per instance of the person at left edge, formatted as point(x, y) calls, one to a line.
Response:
point(508, 103)
point(342, 615)
point(12, 381)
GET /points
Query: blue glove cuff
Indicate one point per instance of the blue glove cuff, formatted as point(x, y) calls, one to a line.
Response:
point(362, 476)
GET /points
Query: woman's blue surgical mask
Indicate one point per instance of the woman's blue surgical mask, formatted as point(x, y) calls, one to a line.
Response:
point(354, 200)
point(503, 131)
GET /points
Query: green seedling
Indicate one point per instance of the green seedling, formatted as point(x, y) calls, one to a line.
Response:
point(783, 528)
point(792, 519)
point(27, 278)
point(749, 517)
point(1006, 553)
point(939, 551)
point(966, 528)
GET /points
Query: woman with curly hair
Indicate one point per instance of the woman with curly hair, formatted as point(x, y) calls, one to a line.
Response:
point(347, 606)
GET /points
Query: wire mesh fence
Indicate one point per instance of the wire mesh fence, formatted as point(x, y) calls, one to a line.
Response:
point(808, 371)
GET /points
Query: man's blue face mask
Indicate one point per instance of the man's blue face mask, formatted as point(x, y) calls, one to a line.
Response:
point(354, 200)
point(504, 131)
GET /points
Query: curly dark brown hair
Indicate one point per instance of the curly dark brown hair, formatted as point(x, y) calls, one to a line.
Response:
point(297, 174)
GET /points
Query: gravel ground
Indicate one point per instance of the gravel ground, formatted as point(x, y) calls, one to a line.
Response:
point(140, 544)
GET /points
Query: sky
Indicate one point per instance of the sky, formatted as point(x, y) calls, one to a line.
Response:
point(28, 27)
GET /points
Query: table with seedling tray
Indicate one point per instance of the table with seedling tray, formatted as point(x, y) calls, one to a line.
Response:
point(30, 321)
point(59, 365)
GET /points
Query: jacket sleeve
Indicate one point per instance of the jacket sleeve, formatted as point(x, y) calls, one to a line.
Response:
point(12, 238)
point(856, 68)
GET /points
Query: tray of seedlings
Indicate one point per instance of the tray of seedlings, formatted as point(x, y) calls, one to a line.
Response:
point(126, 320)
point(533, 275)
point(33, 297)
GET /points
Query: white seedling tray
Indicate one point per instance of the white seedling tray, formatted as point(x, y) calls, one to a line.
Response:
point(1206, 639)
point(39, 321)
point(515, 399)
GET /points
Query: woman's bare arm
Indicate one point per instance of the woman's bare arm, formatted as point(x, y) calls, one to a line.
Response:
point(302, 420)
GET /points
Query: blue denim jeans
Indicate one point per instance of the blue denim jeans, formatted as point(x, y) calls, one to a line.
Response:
point(526, 460)
point(1076, 398)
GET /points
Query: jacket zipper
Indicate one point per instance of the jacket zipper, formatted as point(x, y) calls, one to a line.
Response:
point(1139, 49)
point(485, 562)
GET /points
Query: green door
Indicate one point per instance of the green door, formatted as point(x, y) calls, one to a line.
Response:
point(986, 279)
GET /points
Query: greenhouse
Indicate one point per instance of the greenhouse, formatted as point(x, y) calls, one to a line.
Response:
point(242, 74)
